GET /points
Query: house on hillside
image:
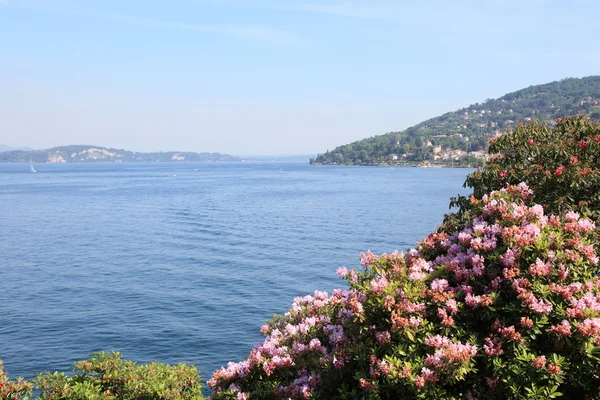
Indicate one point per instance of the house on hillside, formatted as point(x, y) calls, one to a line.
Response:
point(480, 154)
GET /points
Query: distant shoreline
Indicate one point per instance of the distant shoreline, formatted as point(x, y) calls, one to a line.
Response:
point(404, 165)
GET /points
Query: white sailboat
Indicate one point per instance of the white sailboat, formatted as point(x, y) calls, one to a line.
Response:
point(31, 169)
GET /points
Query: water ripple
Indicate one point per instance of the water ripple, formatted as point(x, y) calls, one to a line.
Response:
point(122, 257)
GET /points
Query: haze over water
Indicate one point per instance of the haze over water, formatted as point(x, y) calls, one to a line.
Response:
point(185, 262)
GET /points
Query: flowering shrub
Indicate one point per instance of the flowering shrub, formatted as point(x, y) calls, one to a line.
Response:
point(561, 164)
point(506, 307)
point(10, 390)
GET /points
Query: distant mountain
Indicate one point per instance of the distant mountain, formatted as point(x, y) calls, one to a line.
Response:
point(82, 153)
point(4, 148)
point(465, 132)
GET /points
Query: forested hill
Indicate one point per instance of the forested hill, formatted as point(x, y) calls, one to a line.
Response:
point(82, 153)
point(463, 134)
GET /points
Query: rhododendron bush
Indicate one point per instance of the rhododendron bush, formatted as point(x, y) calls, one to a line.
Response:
point(561, 164)
point(506, 306)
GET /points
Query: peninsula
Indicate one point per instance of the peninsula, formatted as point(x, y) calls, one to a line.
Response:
point(460, 138)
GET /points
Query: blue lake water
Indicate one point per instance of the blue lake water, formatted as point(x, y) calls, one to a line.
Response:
point(185, 262)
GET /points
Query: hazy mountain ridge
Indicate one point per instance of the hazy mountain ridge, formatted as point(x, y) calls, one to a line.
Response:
point(464, 133)
point(4, 148)
point(88, 153)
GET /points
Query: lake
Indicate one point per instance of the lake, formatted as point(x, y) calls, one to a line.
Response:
point(185, 262)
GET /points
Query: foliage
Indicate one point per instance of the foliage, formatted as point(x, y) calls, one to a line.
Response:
point(10, 390)
point(476, 123)
point(506, 307)
point(561, 164)
point(107, 377)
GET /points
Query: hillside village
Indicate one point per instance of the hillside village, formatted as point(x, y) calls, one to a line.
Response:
point(439, 154)
point(461, 137)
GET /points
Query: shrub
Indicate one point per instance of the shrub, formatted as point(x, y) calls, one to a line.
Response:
point(560, 164)
point(10, 390)
point(506, 307)
point(106, 376)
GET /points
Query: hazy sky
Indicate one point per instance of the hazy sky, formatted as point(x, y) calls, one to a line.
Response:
point(268, 76)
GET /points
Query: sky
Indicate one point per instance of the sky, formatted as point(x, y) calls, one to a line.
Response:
point(270, 77)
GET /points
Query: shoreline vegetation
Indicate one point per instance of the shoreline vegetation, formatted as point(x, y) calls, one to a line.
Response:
point(500, 302)
point(413, 165)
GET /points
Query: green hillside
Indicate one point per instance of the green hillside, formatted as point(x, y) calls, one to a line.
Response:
point(462, 135)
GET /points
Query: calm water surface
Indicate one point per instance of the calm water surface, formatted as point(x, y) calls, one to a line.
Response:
point(185, 262)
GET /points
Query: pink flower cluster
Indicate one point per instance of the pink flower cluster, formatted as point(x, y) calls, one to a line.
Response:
point(509, 255)
point(301, 388)
point(448, 352)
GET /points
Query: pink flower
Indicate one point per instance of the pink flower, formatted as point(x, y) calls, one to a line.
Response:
point(449, 353)
point(378, 285)
point(464, 238)
point(342, 272)
point(539, 362)
point(510, 333)
point(437, 341)
point(365, 384)
point(563, 329)
point(472, 301)
point(589, 327)
point(554, 369)
point(508, 259)
point(537, 306)
point(526, 322)
point(367, 259)
point(419, 269)
point(451, 306)
point(585, 225)
point(493, 347)
point(540, 268)
point(419, 381)
point(439, 285)
point(558, 171)
point(572, 216)
point(429, 375)
point(562, 273)
point(383, 367)
point(383, 337)
point(315, 344)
